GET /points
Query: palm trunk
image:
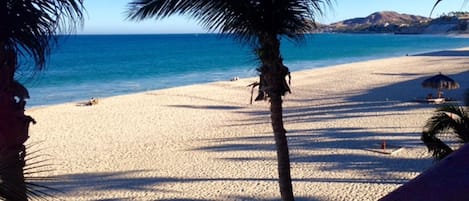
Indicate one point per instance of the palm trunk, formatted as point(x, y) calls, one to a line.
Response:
point(14, 126)
point(273, 83)
point(12, 152)
point(283, 156)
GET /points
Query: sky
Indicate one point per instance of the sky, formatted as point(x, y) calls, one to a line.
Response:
point(109, 16)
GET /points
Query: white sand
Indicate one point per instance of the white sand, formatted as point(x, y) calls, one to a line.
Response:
point(205, 142)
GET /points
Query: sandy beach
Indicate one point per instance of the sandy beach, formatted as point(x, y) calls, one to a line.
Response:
point(206, 142)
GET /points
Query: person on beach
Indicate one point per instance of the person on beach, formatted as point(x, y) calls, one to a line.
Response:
point(91, 102)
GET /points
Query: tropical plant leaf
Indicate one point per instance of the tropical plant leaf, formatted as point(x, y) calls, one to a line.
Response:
point(437, 147)
point(30, 26)
point(31, 172)
point(434, 6)
point(439, 1)
point(244, 19)
point(448, 120)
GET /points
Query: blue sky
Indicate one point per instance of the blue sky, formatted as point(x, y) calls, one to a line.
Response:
point(108, 16)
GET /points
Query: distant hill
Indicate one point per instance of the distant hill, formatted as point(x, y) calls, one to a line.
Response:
point(393, 22)
point(453, 24)
point(378, 22)
point(382, 18)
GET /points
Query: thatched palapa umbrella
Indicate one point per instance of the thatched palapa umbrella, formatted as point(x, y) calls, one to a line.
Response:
point(440, 82)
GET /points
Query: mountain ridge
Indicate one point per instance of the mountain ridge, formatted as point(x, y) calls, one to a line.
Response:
point(394, 22)
point(383, 17)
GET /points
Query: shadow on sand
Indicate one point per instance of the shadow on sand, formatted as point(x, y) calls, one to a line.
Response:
point(382, 99)
point(93, 183)
point(411, 89)
point(447, 53)
point(395, 99)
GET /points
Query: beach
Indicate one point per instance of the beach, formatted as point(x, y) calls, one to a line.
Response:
point(206, 142)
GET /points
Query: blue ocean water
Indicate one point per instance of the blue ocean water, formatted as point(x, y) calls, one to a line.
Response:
point(85, 66)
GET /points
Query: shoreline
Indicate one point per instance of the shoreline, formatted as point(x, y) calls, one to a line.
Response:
point(206, 142)
point(110, 79)
point(351, 61)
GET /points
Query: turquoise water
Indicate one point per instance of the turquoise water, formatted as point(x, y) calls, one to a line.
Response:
point(87, 66)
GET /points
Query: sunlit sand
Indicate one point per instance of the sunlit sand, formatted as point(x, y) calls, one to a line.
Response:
point(206, 142)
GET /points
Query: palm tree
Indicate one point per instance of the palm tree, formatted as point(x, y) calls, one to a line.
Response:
point(448, 120)
point(27, 30)
point(260, 24)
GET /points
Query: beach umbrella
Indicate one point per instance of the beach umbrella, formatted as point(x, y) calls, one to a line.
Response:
point(440, 82)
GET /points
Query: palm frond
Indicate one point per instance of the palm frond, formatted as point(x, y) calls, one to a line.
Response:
point(457, 119)
point(448, 120)
point(461, 129)
point(245, 19)
point(437, 147)
point(29, 185)
point(434, 6)
point(443, 119)
point(30, 26)
point(439, 1)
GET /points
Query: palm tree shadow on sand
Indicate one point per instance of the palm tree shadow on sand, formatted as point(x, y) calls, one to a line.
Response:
point(393, 99)
point(95, 183)
point(408, 91)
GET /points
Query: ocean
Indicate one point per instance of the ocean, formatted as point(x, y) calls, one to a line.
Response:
point(85, 66)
